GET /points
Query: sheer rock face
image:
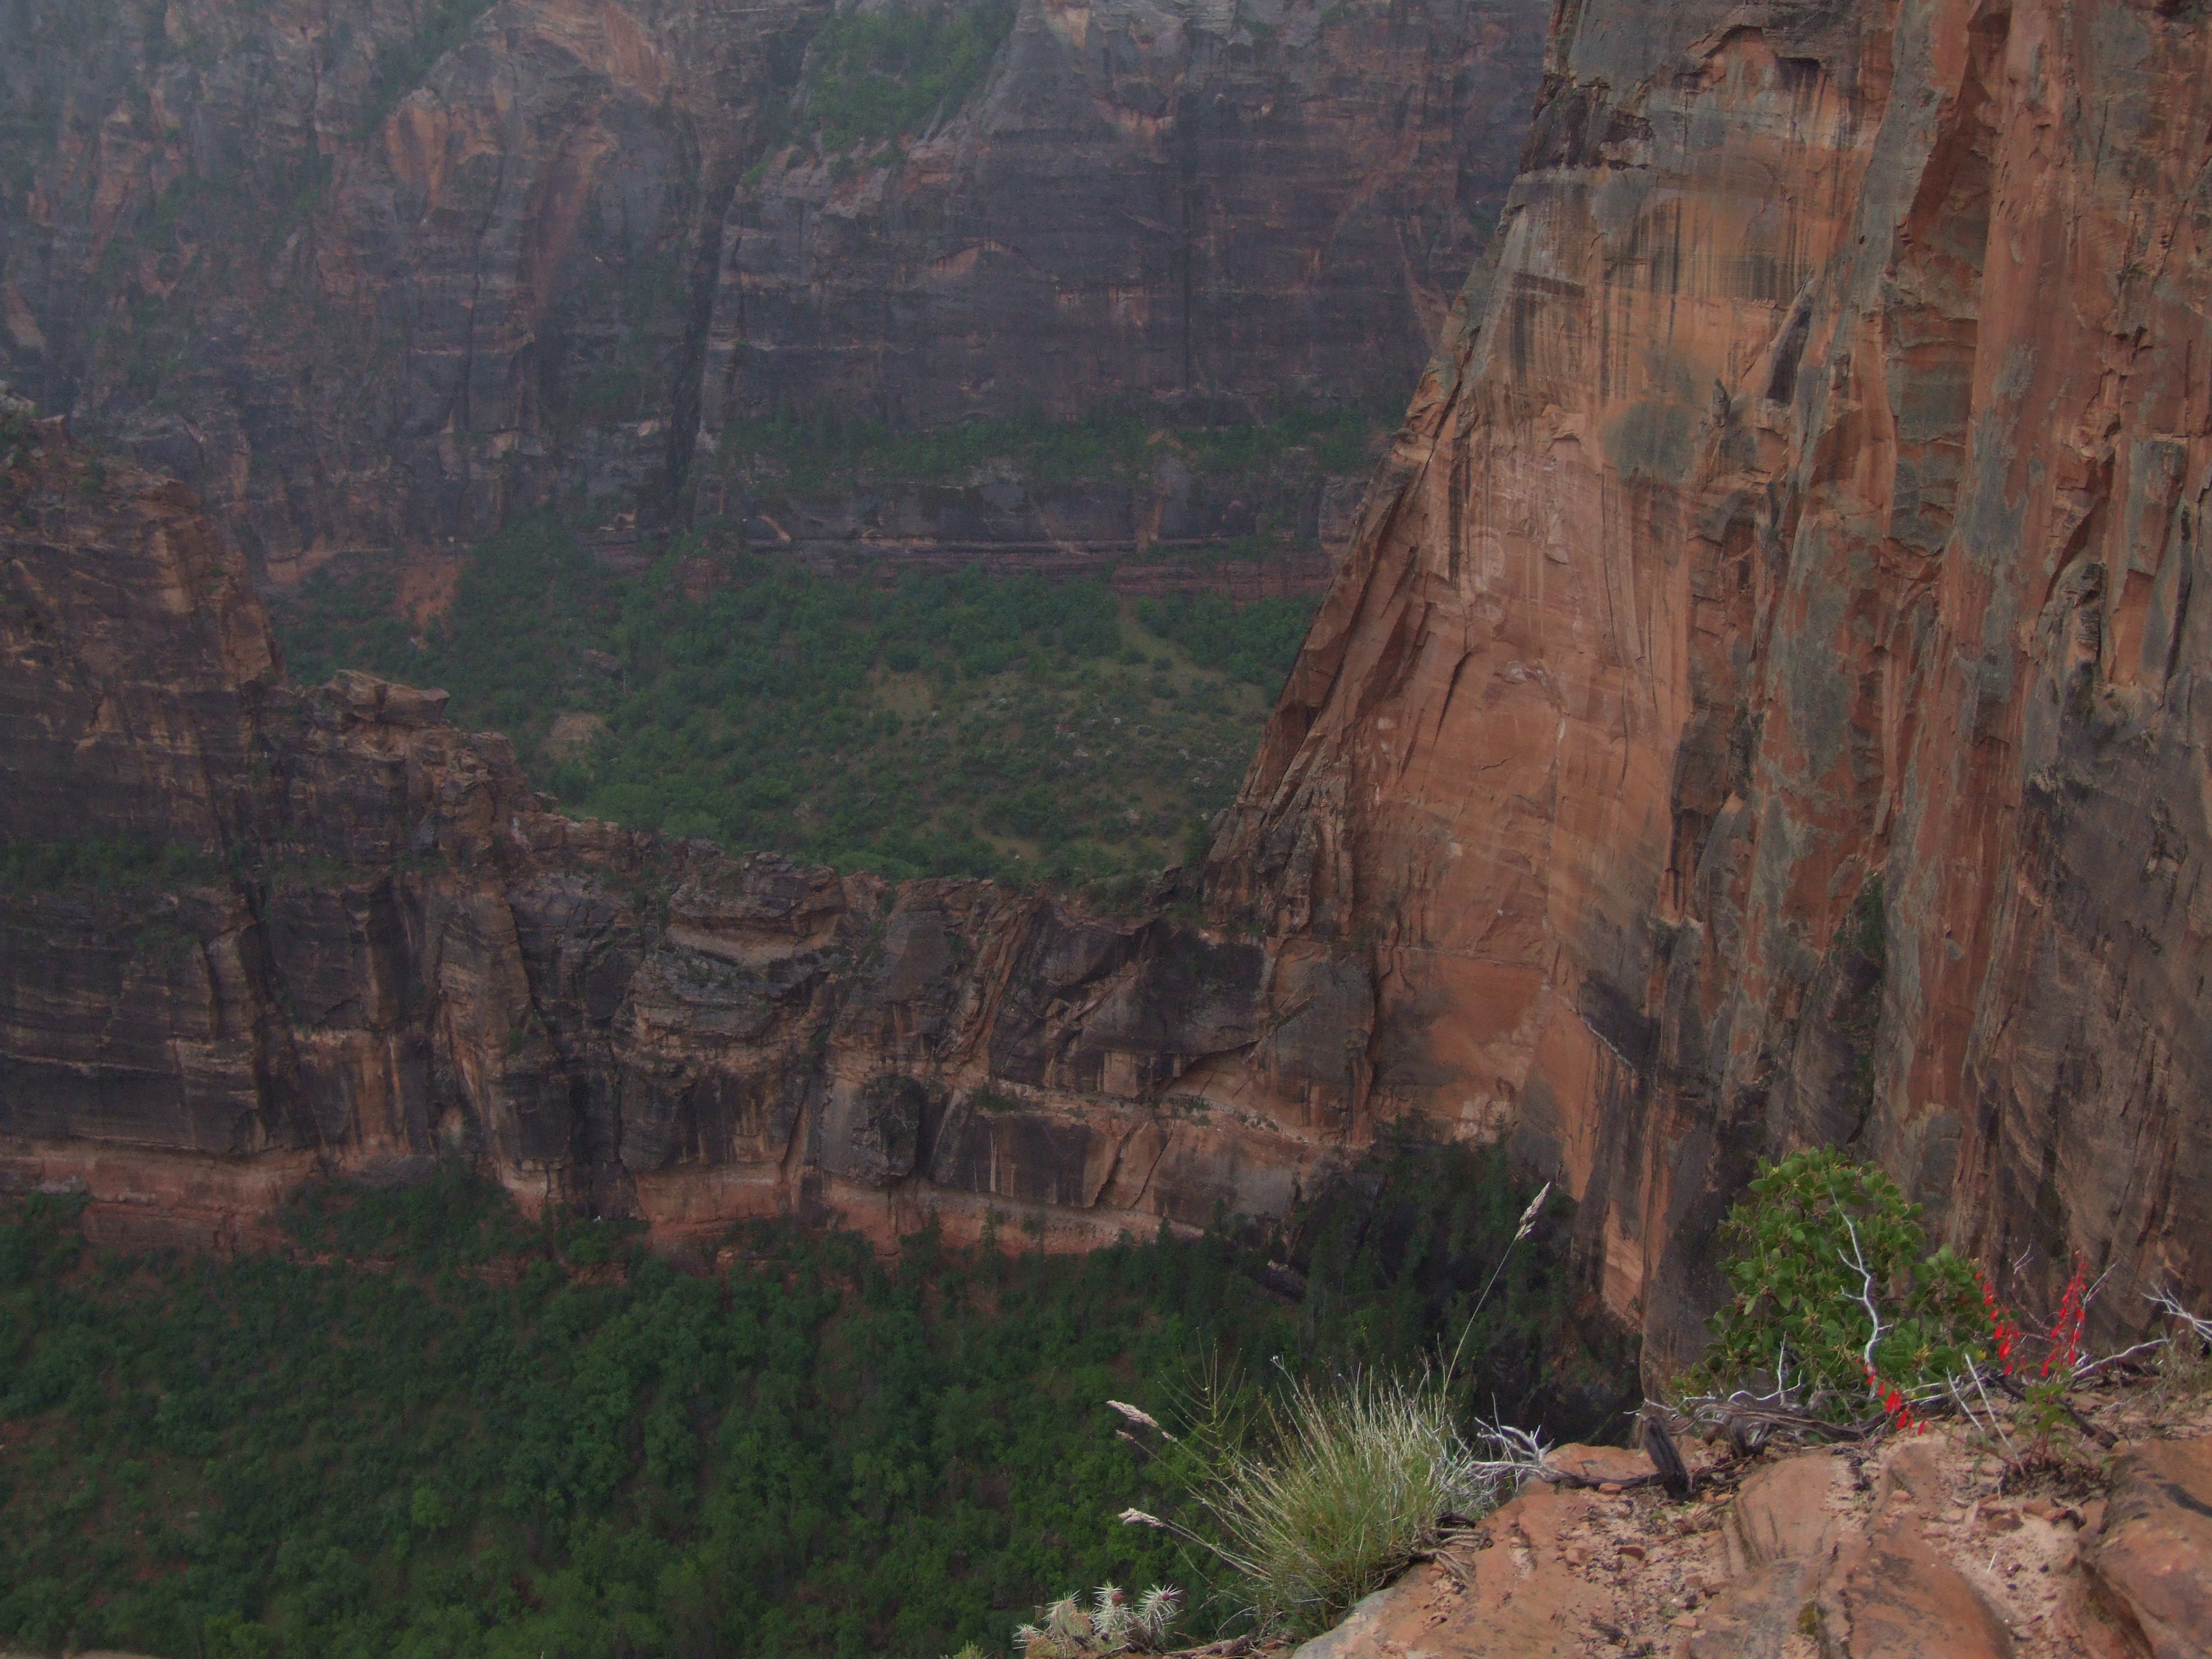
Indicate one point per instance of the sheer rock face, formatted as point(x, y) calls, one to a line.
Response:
point(1152, 197)
point(366, 286)
point(1759, 709)
point(388, 950)
point(1765, 705)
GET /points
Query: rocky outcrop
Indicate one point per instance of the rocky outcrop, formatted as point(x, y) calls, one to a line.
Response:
point(1915, 1550)
point(379, 280)
point(250, 932)
point(2153, 1568)
point(1762, 707)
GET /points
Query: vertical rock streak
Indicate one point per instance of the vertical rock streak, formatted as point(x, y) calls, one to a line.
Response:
point(381, 949)
point(1758, 710)
point(375, 282)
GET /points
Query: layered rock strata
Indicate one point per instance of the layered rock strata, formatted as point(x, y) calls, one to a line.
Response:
point(378, 276)
point(1758, 710)
point(367, 945)
point(1230, 203)
point(1764, 706)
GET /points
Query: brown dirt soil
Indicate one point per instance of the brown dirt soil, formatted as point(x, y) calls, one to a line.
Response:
point(427, 583)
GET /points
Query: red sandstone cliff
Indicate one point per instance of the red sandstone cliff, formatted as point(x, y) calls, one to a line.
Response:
point(1758, 710)
point(1764, 706)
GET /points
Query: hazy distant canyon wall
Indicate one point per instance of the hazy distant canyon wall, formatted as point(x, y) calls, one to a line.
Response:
point(373, 277)
point(1758, 710)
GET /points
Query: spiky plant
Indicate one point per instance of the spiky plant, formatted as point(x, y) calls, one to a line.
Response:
point(1335, 1491)
point(1111, 1624)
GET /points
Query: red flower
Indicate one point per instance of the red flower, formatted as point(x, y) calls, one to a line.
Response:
point(2005, 1329)
point(2066, 1330)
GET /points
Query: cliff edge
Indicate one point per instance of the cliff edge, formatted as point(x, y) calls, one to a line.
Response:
point(1931, 1546)
point(1761, 709)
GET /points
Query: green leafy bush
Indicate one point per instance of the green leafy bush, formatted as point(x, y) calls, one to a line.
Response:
point(1820, 1248)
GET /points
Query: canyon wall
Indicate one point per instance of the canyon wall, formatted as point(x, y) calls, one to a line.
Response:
point(373, 276)
point(1757, 711)
point(1762, 708)
point(364, 944)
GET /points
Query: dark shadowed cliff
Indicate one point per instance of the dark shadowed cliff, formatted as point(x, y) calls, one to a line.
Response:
point(375, 276)
point(252, 932)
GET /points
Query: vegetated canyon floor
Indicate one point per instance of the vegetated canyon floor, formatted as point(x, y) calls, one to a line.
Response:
point(423, 1424)
point(965, 723)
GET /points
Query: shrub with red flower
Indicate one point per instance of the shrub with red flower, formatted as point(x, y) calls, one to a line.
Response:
point(2066, 1330)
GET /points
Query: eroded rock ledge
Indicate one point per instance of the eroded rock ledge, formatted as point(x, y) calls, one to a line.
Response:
point(1928, 1547)
point(388, 948)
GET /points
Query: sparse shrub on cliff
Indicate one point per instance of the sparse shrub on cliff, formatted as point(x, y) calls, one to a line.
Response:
point(441, 26)
point(2182, 1368)
point(17, 434)
point(119, 866)
point(1835, 1298)
point(1325, 1494)
point(1323, 1490)
point(881, 74)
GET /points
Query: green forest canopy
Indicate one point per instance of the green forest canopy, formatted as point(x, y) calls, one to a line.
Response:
point(832, 453)
point(966, 724)
point(428, 1427)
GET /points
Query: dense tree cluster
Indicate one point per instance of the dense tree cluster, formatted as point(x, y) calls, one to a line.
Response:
point(428, 1427)
point(965, 724)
